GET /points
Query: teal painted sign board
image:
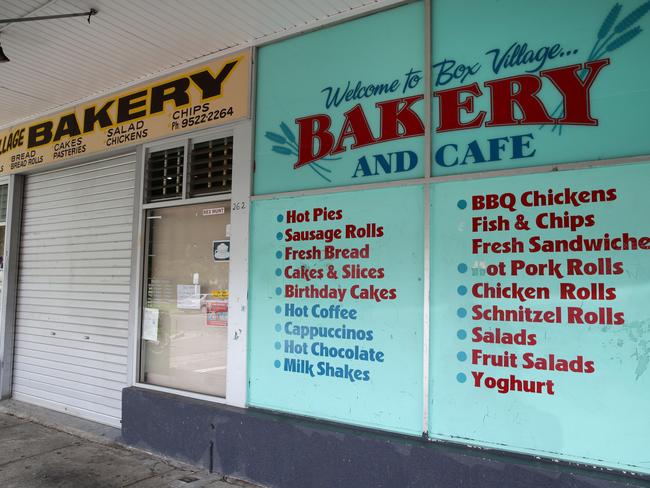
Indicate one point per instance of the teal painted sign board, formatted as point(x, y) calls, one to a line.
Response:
point(540, 316)
point(324, 75)
point(515, 84)
point(336, 307)
point(531, 83)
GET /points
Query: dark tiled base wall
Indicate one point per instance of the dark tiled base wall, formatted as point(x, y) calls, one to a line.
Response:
point(286, 452)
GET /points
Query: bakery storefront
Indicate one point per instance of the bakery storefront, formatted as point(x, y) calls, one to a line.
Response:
point(121, 217)
point(414, 254)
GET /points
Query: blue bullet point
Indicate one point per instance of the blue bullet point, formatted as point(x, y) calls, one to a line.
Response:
point(278, 272)
point(278, 345)
point(278, 291)
point(278, 236)
point(462, 356)
point(278, 254)
point(461, 312)
point(461, 378)
point(280, 217)
point(277, 363)
point(462, 334)
point(278, 327)
point(462, 268)
point(462, 290)
point(462, 204)
point(278, 309)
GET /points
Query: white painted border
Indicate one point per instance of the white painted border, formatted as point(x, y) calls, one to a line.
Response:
point(237, 360)
point(183, 393)
point(426, 258)
point(133, 355)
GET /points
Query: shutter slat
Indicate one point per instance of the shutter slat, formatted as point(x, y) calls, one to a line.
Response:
point(200, 170)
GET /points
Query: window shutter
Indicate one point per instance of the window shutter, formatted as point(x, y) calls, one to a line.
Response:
point(210, 168)
point(164, 175)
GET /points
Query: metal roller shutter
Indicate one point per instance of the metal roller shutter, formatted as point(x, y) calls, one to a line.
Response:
point(73, 291)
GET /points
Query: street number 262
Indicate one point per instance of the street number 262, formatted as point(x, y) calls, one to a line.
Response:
point(239, 205)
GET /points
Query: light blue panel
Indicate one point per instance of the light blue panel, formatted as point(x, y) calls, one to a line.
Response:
point(350, 62)
point(382, 390)
point(504, 38)
point(600, 417)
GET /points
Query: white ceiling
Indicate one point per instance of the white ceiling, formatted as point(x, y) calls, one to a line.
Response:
point(55, 63)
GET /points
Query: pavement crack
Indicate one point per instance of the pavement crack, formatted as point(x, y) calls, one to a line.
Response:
point(132, 483)
point(37, 454)
point(153, 475)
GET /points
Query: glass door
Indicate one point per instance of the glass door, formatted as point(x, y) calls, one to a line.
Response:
point(185, 318)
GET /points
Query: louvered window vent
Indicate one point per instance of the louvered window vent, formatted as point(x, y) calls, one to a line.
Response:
point(164, 175)
point(210, 167)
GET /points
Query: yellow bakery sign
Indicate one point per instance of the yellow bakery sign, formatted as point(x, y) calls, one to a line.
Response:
point(211, 94)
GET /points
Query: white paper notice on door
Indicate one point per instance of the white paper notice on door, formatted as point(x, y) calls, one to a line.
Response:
point(188, 297)
point(150, 324)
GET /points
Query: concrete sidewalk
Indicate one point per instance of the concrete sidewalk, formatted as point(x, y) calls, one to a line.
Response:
point(40, 448)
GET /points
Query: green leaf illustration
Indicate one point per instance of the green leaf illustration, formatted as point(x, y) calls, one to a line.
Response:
point(607, 42)
point(282, 150)
point(632, 18)
point(287, 132)
point(623, 39)
point(275, 137)
point(287, 146)
point(609, 21)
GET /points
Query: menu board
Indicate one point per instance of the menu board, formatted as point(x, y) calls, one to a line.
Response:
point(336, 307)
point(540, 303)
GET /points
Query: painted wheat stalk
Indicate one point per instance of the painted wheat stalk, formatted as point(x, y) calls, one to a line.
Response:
point(611, 36)
point(286, 144)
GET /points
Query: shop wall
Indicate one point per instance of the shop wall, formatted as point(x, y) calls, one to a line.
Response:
point(517, 86)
